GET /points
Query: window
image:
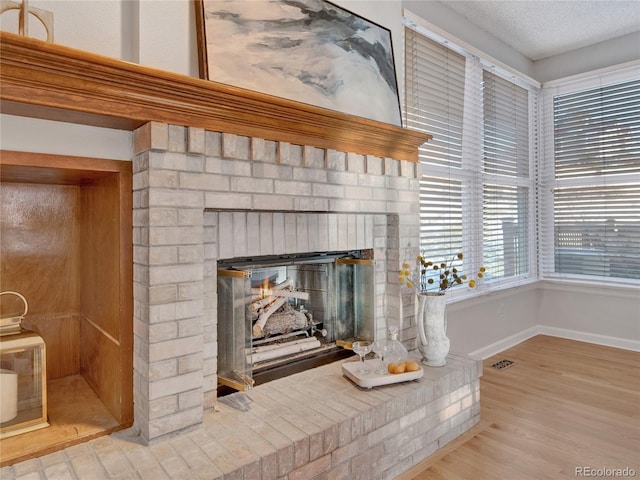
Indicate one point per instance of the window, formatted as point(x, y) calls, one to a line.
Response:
point(476, 189)
point(593, 181)
point(507, 185)
point(435, 82)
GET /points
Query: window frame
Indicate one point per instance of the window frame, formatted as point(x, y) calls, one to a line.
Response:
point(475, 174)
point(549, 183)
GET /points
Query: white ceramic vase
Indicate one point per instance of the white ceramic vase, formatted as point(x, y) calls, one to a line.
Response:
point(432, 341)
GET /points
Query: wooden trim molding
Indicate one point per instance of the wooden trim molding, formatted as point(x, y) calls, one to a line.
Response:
point(45, 80)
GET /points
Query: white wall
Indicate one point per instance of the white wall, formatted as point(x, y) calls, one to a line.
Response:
point(44, 136)
point(478, 322)
point(94, 26)
point(609, 315)
point(167, 35)
point(487, 325)
point(602, 55)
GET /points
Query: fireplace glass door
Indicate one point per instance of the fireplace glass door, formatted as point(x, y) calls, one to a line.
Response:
point(280, 315)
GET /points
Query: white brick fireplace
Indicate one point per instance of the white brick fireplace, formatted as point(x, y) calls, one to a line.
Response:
point(200, 196)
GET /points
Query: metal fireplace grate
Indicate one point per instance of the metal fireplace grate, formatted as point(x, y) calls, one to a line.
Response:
point(502, 364)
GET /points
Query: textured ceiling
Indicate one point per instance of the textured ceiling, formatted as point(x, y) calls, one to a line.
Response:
point(544, 28)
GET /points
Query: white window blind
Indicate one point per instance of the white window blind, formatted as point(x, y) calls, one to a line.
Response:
point(435, 82)
point(595, 186)
point(475, 190)
point(506, 189)
point(435, 91)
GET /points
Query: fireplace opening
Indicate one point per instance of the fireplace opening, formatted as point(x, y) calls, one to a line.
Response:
point(279, 315)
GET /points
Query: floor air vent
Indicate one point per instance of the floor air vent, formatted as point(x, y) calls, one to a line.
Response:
point(502, 364)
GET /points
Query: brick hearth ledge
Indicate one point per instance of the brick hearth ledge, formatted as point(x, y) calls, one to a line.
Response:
point(312, 425)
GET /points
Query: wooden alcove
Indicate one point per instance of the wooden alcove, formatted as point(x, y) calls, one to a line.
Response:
point(66, 245)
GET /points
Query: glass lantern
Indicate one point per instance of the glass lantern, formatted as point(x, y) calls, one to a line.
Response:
point(23, 383)
point(23, 387)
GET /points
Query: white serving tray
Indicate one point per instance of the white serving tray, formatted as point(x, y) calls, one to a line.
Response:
point(350, 370)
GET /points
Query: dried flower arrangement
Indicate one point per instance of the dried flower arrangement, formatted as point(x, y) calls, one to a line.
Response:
point(447, 276)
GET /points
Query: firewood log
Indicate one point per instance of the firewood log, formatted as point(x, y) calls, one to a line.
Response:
point(264, 316)
point(286, 349)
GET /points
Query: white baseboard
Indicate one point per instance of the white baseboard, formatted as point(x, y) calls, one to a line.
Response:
point(503, 344)
point(616, 342)
point(520, 337)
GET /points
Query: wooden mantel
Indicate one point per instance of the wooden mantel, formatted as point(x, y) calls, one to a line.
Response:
point(45, 80)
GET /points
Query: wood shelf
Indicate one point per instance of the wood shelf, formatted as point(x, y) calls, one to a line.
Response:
point(76, 415)
point(45, 80)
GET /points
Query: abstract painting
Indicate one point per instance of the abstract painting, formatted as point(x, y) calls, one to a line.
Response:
point(311, 51)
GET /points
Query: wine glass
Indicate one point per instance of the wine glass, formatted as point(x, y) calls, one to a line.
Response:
point(381, 348)
point(362, 347)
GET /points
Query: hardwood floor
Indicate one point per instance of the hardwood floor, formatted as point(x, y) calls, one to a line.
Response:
point(563, 405)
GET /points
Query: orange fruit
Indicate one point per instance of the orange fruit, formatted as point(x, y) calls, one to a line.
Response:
point(412, 366)
point(400, 368)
